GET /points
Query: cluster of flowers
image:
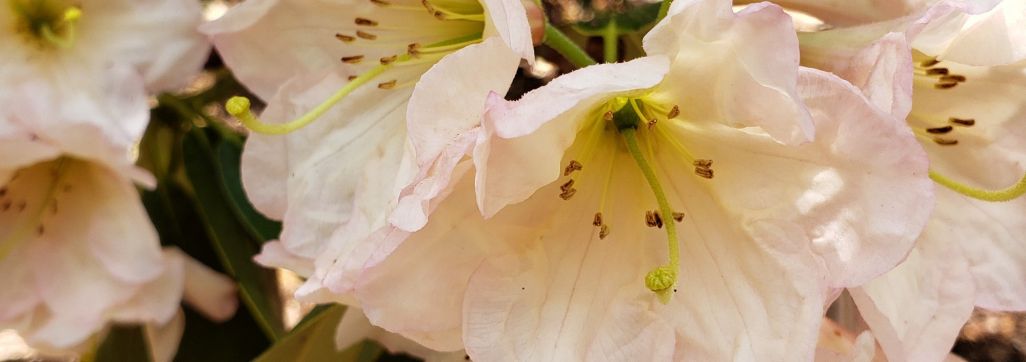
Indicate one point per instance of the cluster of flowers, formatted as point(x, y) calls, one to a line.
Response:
point(77, 249)
point(706, 201)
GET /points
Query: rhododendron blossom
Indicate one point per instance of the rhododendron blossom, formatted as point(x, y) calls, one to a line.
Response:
point(631, 208)
point(366, 122)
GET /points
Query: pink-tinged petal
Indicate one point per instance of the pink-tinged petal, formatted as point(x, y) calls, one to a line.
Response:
point(274, 255)
point(19, 293)
point(354, 156)
point(63, 331)
point(158, 37)
point(522, 142)
point(432, 267)
point(839, 345)
point(508, 19)
point(156, 301)
point(991, 38)
point(740, 69)
point(355, 328)
point(882, 70)
point(445, 103)
point(209, 292)
point(841, 13)
point(917, 309)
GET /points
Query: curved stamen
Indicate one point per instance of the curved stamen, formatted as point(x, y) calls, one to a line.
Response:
point(1007, 194)
point(67, 22)
point(239, 106)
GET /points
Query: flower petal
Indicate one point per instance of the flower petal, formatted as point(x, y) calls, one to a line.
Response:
point(719, 59)
point(158, 300)
point(209, 292)
point(917, 309)
point(546, 119)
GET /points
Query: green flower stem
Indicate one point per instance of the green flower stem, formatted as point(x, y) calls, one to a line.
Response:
point(611, 42)
point(558, 41)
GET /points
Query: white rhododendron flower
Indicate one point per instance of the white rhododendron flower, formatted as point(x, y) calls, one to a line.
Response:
point(378, 88)
point(75, 242)
point(697, 204)
point(954, 72)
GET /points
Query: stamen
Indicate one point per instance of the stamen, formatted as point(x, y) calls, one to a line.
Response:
point(945, 141)
point(597, 220)
point(603, 231)
point(1007, 194)
point(678, 216)
point(389, 59)
point(366, 35)
point(366, 22)
point(387, 85)
point(674, 112)
point(703, 168)
point(567, 194)
point(571, 167)
point(345, 38)
point(381, 2)
point(945, 85)
point(968, 122)
point(653, 219)
point(929, 62)
point(939, 130)
point(953, 78)
point(239, 107)
point(355, 59)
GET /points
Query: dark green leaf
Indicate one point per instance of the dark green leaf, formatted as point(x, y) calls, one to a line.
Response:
point(313, 340)
point(125, 343)
point(629, 18)
point(234, 244)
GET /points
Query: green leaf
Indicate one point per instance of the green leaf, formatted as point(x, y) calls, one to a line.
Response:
point(124, 343)
point(630, 18)
point(234, 244)
point(313, 340)
point(229, 156)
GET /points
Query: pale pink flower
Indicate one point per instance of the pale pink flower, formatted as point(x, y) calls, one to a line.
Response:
point(954, 71)
point(562, 266)
point(422, 72)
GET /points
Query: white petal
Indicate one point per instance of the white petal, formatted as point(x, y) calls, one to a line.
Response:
point(508, 19)
point(740, 69)
point(163, 340)
point(917, 309)
point(158, 300)
point(211, 293)
point(274, 255)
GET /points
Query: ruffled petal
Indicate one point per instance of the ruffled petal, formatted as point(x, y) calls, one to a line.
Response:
point(738, 69)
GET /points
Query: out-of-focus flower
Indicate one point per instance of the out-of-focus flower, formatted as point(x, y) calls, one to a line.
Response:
point(355, 328)
point(69, 42)
point(670, 207)
point(954, 71)
point(76, 246)
point(412, 77)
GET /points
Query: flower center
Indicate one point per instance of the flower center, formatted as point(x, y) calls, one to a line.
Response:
point(635, 124)
point(46, 23)
point(28, 199)
point(457, 23)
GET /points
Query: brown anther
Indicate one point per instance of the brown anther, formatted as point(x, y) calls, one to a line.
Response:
point(953, 78)
point(352, 77)
point(945, 85)
point(652, 122)
point(603, 231)
point(366, 35)
point(674, 112)
point(567, 194)
point(945, 141)
point(678, 216)
point(597, 221)
point(388, 60)
point(3, 191)
point(381, 2)
point(366, 22)
point(21, 206)
point(704, 172)
point(929, 63)
point(608, 116)
point(439, 15)
point(427, 5)
point(40, 230)
point(703, 163)
point(939, 130)
point(968, 122)
point(344, 38)
point(937, 71)
point(6, 206)
point(653, 219)
point(571, 167)
point(352, 59)
point(568, 185)
point(387, 85)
